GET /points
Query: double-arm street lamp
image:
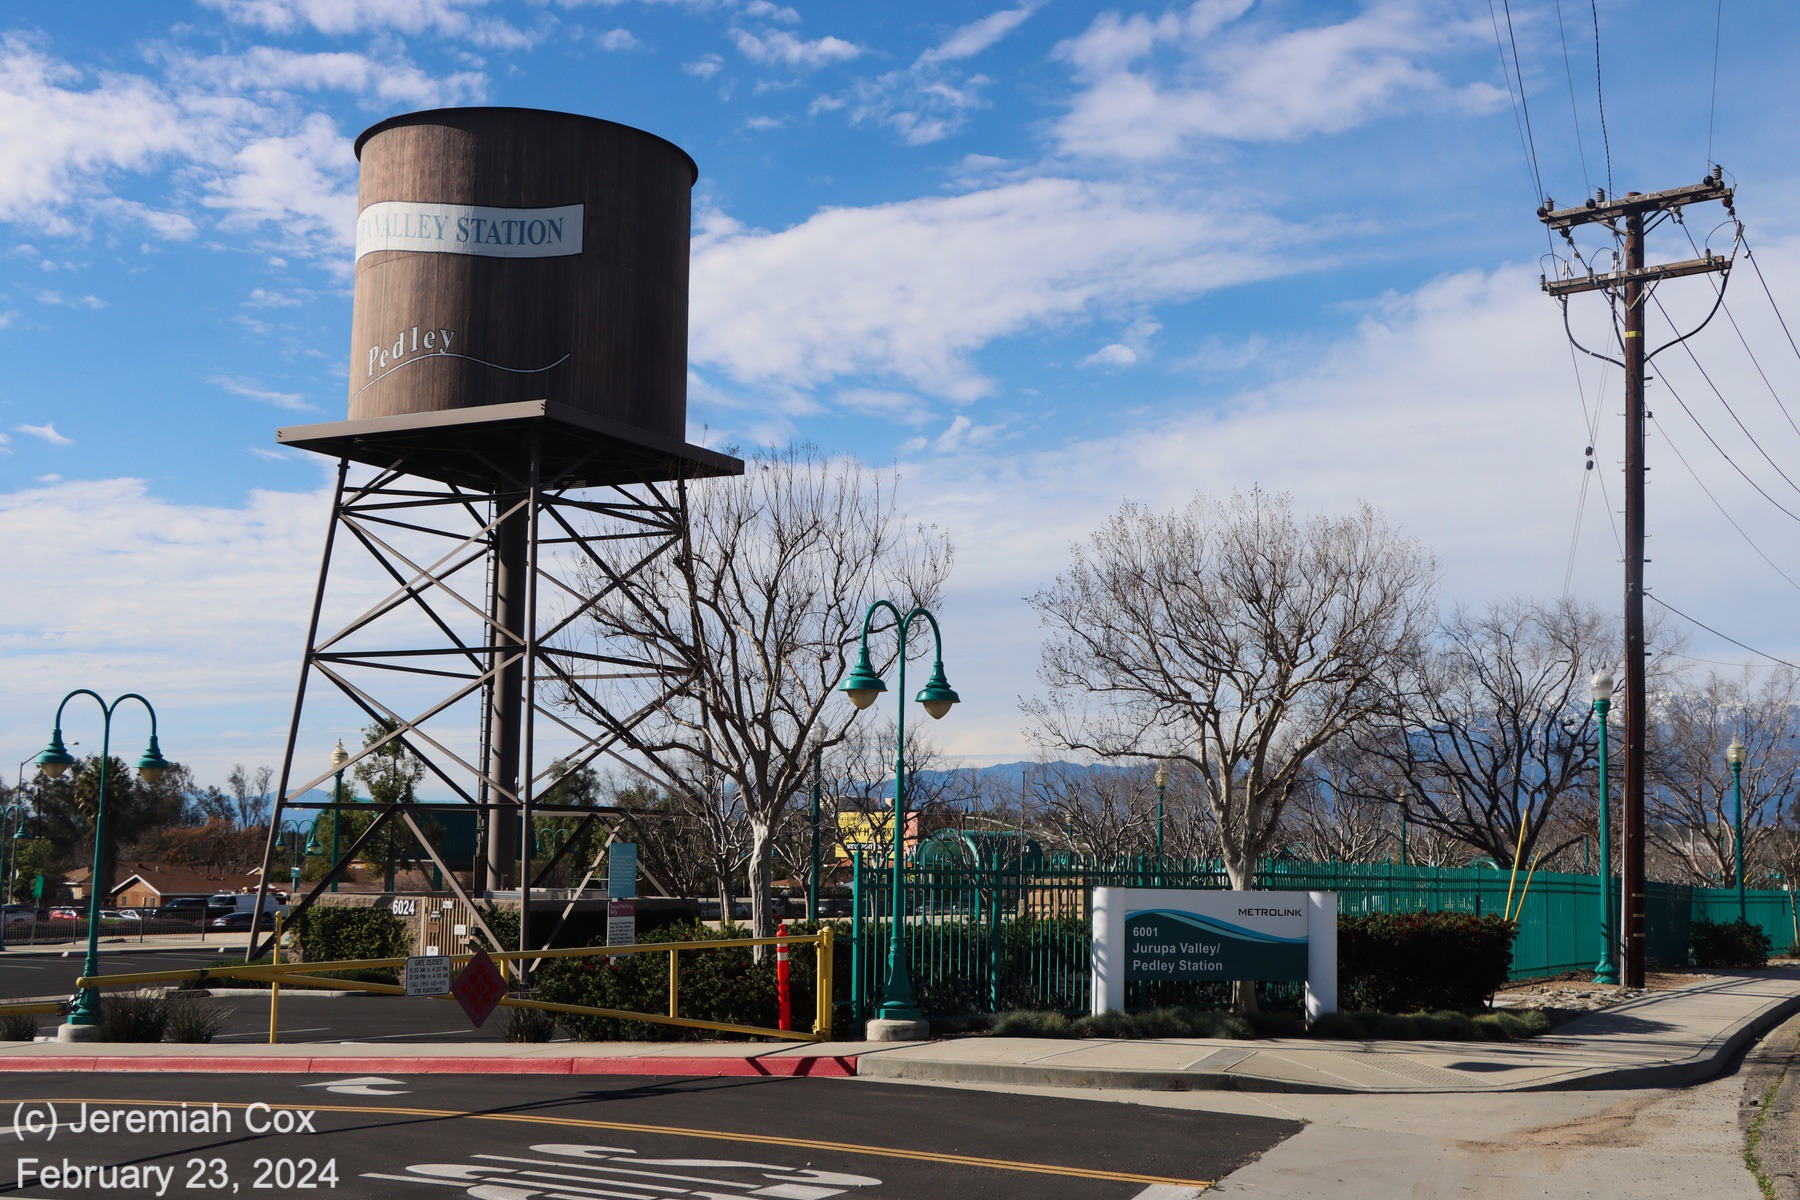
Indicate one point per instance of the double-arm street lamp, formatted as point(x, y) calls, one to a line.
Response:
point(84, 1018)
point(862, 685)
point(1734, 754)
point(1607, 970)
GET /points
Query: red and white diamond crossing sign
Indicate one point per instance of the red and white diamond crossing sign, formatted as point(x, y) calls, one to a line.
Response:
point(479, 988)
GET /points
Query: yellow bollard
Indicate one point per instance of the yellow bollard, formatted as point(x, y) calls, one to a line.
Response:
point(274, 988)
point(674, 981)
point(822, 984)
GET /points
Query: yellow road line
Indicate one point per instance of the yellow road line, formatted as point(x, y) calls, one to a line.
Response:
point(931, 1156)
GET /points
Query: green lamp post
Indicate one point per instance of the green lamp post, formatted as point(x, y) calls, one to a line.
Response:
point(1734, 754)
point(84, 1019)
point(12, 829)
point(1607, 969)
point(862, 685)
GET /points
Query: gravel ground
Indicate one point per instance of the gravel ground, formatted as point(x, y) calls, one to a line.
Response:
point(1565, 997)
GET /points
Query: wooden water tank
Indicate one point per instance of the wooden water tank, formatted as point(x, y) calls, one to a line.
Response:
point(508, 254)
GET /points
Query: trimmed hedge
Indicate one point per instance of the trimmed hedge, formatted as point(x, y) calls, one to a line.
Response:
point(1422, 962)
point(331, 934)
point(1728, 944)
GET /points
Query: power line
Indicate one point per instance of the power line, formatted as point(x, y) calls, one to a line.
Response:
point(1600, 94)
point(1771, 295)
point(1740, 645)
point(1526, 141)
point(1722, 452)
point(1713, 105)
point(1748, 540)
point(1721, 395)
point(1730, 316)
point(1574, 109)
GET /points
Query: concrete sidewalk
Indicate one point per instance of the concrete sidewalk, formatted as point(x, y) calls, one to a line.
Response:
point(1664, 1039)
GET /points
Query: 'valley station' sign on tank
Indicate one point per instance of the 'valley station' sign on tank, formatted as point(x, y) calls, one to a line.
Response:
point(469, 229)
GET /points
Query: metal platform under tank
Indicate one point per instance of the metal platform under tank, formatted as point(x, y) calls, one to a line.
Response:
point(490, 447)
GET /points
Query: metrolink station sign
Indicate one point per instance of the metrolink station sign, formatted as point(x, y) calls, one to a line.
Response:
point(1178, 934)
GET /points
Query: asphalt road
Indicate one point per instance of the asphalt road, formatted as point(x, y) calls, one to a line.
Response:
point(536, 1138)
point(304, 1017)
point(55, 975)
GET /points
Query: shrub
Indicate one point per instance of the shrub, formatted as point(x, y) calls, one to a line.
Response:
point(140, 1016)
point(726, 985)
point(529, 1025)
point(330, 934)
point(18, 1026)
point(1407, 962)
point(1729, 944)
point(1339, 1026)
point(194, 1018)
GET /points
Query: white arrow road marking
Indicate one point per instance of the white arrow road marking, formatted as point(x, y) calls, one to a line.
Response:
point(362, 1085)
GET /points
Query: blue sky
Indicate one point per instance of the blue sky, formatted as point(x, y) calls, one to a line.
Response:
point(1044, 257)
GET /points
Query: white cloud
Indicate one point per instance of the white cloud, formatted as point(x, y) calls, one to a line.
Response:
point(60, 135)
point(1116, 355)
point(977, 36)
point(618, 39)
point(1250, 80)
point(908, 291)
point(1451, 409)
point(763, 10)
point(199, 607)
point(303, 183)
point(62, 301)
point(928, 101)
point(777, 47)
point(249, 389)
point(704, 67)
point(47, 432)
point(386, 82)
point(339, 18)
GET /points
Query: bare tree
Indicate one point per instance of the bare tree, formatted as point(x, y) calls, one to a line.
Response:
point(1691, 813)
point(1108, 812)
point(759, 613)
point(858, 777)
point(1231, 636)
point(1492, 732)
point(249, 791)
point(1336, 820)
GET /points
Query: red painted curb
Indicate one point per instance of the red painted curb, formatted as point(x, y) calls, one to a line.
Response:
point(789, 1066)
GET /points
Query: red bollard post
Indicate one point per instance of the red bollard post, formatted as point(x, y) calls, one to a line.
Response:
point(783, 995)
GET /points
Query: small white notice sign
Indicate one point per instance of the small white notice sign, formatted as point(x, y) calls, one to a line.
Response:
point(428, 975)
point(621, 922)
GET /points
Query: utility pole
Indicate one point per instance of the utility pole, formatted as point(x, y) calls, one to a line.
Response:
point(1625, 218)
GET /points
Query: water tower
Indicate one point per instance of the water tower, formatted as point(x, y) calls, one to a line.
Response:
point(517, 412)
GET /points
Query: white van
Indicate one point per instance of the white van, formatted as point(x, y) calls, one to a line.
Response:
point(222, 903)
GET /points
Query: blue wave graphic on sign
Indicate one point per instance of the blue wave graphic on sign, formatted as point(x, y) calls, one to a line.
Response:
point(1214, 925)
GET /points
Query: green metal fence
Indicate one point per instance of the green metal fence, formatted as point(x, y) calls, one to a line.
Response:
point(984, 939)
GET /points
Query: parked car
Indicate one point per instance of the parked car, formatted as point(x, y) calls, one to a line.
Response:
point(64, 914)
point(19, 916)
point(241, 920)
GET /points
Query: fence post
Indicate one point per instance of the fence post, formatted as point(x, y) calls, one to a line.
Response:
point(824, 983)
point(995, 907)
point(856, 936)
point(674, 981)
